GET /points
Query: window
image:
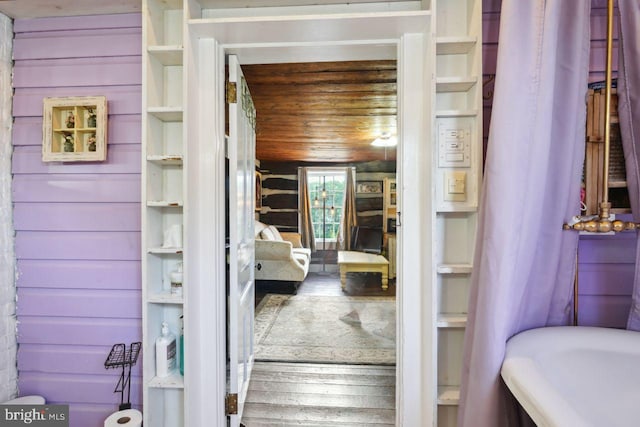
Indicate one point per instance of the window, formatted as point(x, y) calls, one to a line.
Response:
point(618, 193)
point(326, 190)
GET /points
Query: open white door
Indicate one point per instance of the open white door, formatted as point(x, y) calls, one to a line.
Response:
point(242, 147)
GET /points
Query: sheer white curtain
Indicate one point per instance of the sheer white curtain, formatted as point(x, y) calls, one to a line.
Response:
point(524, 262)
point(629, 114)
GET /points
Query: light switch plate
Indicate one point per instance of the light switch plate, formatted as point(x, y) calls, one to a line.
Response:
point(455, 183)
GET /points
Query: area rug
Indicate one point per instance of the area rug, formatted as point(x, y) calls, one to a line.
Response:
point(307, 328)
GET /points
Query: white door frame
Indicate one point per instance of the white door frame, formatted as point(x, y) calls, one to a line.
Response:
point(205, 322)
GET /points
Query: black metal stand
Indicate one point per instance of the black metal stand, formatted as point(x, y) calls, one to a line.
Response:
point(120, 356)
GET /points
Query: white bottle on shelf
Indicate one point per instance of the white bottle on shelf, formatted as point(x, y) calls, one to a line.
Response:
point(165, 352)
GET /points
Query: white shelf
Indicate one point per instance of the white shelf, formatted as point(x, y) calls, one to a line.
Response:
point(452, 320)
point(166, 55)
point(455, 84)
point(165, 298)
point(166, 114)
point(453, 208)
point(456, 113)
point(164, 251)
point(167, 159)
point(164, 204)
point(174, 380)
point(454, 269)
point(454, 45)
point(448, 395)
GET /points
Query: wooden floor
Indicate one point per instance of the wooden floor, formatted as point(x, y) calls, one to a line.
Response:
point(306, 394)
point(358, 284)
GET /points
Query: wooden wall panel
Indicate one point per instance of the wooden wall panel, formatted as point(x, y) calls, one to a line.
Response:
point(279, 183)
point(364, 204)
point(77, 217)
point(111, 71)
point(124, 42)
point(370, 220)
point(608, 311)
point(280, 194)
point(79, 274)
point(77, 188)
point(88, 389)
point(85, 22)
point(123, 159)
point(63, 360)
point(122, 99)
point(77, 224)
point(282, 220)
point(79, 303)
point(281, 201)
point(78, 245)
point(606, 268)
point(72, 331)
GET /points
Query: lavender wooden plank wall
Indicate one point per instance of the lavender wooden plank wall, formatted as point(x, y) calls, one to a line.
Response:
point(606, 263)
point(77, 224)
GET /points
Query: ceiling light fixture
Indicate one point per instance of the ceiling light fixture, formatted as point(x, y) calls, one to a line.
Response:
point(385, 140)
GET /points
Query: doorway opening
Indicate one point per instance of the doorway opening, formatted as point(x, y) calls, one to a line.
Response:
point(414, 178)
point(315, 122)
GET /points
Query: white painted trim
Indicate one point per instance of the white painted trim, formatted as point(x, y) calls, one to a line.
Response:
point(312, 28)
point(205, 317)
point(416, 346)
point(218, 9)
point(8, 370)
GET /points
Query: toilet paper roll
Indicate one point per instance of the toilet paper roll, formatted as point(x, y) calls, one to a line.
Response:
point(126, 418)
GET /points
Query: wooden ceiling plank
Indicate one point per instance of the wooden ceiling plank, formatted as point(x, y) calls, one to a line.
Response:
point(255, 70)
point(259, 89)
point(374, 76)
point(323, 111)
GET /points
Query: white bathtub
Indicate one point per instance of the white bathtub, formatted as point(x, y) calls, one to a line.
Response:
point(576, 376)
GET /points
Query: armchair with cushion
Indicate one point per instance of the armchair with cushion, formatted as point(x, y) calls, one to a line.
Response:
point(280, 256)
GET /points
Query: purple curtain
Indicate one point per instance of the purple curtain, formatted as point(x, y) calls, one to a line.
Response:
point(524, 262)
point(629, 114)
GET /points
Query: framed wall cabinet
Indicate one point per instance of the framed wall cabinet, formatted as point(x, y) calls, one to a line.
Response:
point(593, 176)
point(74, 129)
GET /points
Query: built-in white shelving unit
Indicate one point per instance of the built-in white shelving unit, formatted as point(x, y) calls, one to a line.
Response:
point(169, 26)
point(163, 201)
point(457, 133)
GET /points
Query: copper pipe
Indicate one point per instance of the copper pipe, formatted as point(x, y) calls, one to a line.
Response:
point(602, 223)
point(605, 205)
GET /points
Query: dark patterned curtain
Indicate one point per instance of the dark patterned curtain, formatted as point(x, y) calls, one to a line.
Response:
point(349, 217)
point(304, 202)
